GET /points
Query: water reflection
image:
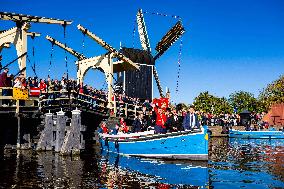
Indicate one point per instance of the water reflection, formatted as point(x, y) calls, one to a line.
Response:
point(29, 169)
point(233, 163)
point(246, 163)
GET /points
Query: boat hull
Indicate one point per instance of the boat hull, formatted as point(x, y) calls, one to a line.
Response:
point(256, 134)
point(180, 145)
point(182, 172)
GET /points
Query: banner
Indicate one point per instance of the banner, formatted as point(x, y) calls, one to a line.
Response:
point(20, 94)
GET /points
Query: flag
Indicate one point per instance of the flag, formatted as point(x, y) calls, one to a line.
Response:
point(34, 91)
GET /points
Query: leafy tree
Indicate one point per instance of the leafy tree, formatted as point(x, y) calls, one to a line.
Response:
point(209, 103)
point(204, 102)
point(242, 100)
point(222, 106)
point(273, 93)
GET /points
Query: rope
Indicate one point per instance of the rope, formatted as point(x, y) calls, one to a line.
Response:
point(161, 14)
point(179, 61)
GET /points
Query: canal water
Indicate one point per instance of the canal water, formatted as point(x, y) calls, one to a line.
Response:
point(233, 164)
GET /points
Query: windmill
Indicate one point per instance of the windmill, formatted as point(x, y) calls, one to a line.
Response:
point(137, 83)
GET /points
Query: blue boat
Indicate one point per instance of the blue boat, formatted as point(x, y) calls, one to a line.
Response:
point(190, 145)
point(182, 173)
point(256, 134)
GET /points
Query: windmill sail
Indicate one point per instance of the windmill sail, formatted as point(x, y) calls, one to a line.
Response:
point(169, 39)
point(144, 39)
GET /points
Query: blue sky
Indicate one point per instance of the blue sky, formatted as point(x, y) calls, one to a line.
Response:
point(229, 45)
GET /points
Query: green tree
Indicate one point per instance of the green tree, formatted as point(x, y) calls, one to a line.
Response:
point(222, 106)
point(204, 102)
point(209, 103)
point(242, 100)
point(273, 93)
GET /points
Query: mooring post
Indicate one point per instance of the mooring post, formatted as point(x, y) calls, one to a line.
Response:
point(19, 124)
point(60, 130)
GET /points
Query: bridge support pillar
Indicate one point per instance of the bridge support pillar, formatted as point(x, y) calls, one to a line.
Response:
point(73, 141)
point(60, 130)
point(46, 137)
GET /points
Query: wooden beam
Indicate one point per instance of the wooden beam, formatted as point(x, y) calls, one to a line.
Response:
point(107, 46)
point(68, 49)
point(28, 18)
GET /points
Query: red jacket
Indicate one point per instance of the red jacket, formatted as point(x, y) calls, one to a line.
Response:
point(42, 86)
point(161, 120)
point(3, 80)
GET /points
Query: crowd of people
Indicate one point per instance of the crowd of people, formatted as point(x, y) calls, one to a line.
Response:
point(44, 86)
point(158, 117)
point(163, 120)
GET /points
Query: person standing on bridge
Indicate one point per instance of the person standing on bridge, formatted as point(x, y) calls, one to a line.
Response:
point(4, 77)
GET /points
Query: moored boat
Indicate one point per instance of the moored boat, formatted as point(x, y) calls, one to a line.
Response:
point(256, 134)
point(191, 145)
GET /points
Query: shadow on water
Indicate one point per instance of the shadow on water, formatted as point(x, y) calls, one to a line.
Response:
point(233, 164)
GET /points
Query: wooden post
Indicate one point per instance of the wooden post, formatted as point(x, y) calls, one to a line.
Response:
point(114, 107)
point(135, 110)
point(126, 113)
point(19, 124)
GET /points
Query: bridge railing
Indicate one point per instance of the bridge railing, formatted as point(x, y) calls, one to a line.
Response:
point(126, 110)
point(63, 98)
point(7, 99)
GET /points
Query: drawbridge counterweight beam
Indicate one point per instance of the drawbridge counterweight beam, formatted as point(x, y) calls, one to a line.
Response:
point(78, 55)
point(107, 47)
point(28, 18)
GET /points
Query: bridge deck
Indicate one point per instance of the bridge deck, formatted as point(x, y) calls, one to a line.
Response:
point(56, 100)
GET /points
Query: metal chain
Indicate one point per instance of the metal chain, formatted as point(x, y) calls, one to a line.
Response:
point(65, 52)
point(179, 65)
point(50, 61)
point(161, 14)
point(83, 43)
point(31, 65)
point(33, 38)
point(133, 33)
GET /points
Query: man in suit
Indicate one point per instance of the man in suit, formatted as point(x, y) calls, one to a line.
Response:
point(173, 122)
point(138, 124)
point(190, 120)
